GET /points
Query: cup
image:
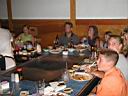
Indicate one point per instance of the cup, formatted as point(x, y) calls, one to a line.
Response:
point(17, 78)
point(40, 87)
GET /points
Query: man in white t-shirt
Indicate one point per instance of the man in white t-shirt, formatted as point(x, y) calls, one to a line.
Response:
point(116, 43)
point(6, 48)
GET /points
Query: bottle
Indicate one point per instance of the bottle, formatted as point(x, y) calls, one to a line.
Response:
point(12, 77)
point(17, 80)
point(19, 72)
point(29, 46)
point(38, 48)
point(56, 42)
point(93, 52)
point(66, 76)
point(70, 44)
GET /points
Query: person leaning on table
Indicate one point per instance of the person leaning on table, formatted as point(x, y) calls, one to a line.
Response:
point(6, 49)
point(113, 83)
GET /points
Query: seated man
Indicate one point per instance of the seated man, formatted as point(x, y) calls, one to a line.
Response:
point(6, 50)
point(68, 36)
point(113, 83)
point(106, 38)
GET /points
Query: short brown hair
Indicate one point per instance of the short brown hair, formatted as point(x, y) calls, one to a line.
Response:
point(68, 23)
point(27, 26)
point(110, 55)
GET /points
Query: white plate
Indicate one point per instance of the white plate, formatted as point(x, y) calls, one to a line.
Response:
point(46, 50)
point(81, 76)
point(55, 51)
point(56, 87)
point(71, 49)
point(55, 94)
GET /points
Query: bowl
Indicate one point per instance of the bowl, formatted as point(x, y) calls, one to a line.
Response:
point(68, 90)
point(46, 50)
point(65, 53)
point(55, 51)
point(81, 76)
point(71, 49)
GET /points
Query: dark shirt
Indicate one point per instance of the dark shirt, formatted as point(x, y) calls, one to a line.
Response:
point(64, 40)
point(91, 42)
point(105, 44)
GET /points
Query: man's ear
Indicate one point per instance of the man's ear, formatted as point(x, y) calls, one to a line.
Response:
point(120, 46)
point(71, 29)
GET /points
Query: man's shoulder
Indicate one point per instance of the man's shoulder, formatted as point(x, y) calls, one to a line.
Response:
point(115, 76)
point(2, 30)
point(74, 34)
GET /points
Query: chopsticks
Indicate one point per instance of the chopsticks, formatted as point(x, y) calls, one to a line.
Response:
point(93, 64)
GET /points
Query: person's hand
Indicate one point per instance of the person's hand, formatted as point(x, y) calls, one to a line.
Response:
point(97, 73)
point(88, 69)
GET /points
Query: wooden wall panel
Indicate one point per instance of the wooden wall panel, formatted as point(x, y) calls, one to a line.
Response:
point(48, 29)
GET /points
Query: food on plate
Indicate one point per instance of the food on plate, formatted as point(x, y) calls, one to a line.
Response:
point(82, 77)
point(24, 93)
point(61, 84)
point(87, 60)
point(59, 94)
point(71, 70)
point(76, 66)
point(56, 94)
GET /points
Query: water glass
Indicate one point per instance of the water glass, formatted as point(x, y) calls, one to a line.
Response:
point(40, 87)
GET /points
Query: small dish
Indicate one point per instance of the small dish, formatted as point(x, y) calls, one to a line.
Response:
point(54, 51)
point(65, 53)
point(57, 86)
point(71, 49)
point(24, 93)
point(68, 90)
point(46, 50)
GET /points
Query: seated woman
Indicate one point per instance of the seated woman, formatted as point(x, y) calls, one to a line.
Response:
point(106, 38)
point(92, 38)
point(125, 41)
point(24, 37)
point(68, 37)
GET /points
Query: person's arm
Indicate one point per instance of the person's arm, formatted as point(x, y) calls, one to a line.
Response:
point(76, 40)
point(97, 73)
point(94, 90)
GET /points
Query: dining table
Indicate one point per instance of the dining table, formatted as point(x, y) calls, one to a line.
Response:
point(50, 67)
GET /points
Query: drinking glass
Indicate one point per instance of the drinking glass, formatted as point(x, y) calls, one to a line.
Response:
point(40, 87)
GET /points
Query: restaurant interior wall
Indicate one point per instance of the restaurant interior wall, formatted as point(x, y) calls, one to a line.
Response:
point(53, 15)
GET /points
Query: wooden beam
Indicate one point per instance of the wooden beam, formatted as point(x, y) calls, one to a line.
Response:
point(9, 10)
point(0, 23)
point(73, 13)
